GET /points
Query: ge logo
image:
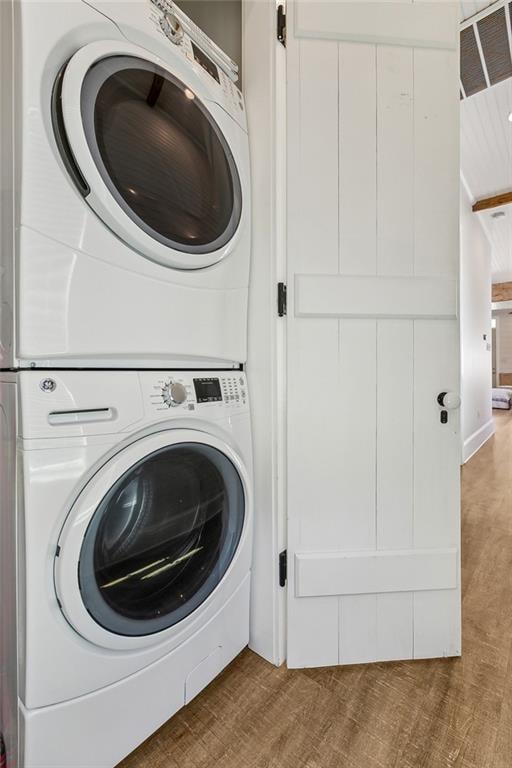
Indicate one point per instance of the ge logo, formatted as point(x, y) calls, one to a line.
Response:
point(48, 385)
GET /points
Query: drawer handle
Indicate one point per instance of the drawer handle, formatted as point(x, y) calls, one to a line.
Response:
point(58, 418)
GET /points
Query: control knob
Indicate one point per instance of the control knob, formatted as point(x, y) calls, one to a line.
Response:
point(171, 28)
point(174, 394)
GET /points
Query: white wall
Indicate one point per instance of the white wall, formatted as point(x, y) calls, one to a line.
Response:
point(475, 310)
point(504, 343)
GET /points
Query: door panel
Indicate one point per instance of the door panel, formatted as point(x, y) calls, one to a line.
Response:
point(395, 363)
point(395, 150)
point(318, 164)
point(357, 176)
point(373, 474)
point(401, 23)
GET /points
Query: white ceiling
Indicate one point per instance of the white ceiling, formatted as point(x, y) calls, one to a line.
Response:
point(499, 232)
point(486, 158)
point(470, 7)
point(486, 140)
point(486, 165)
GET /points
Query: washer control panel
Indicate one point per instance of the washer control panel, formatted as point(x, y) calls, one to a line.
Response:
point(196, 391)
point(174, 393)
point(234, 389)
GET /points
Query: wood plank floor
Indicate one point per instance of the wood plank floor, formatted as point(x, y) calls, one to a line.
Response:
point(431, 714)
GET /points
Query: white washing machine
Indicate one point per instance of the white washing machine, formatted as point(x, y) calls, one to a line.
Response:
point(133, 510)
point(127, 207)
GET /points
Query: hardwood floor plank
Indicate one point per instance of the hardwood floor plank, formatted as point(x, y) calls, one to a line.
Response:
point(444, 713)
point(502, 756)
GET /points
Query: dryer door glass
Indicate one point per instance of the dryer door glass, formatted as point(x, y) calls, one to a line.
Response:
point(160, 153)
point(162, 539)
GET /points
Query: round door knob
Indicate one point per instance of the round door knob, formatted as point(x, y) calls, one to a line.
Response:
point(171, 27)
point(174, 394)
point(449, 400)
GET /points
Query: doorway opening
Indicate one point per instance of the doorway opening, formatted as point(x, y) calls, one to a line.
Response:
point(486, 219)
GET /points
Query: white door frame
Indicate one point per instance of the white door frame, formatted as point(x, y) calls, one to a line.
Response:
point(264, 86)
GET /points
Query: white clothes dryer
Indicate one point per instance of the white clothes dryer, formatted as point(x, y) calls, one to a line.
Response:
point(128, 202)
point(134, 516)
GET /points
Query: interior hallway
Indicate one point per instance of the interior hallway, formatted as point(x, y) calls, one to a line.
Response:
point(431, 714)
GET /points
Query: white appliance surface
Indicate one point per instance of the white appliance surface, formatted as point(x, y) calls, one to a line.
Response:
point(131, 214)
point(126, 479)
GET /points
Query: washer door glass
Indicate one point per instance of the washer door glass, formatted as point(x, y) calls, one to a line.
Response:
point(161, 154)
point(162, 539)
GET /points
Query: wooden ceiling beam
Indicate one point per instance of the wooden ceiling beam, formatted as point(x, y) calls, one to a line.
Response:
point(502, 292)
point(492, 202)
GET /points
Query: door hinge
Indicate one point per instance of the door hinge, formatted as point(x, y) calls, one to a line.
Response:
point(281, 299)
point(283, 567)
point(3, 755)
point(281, 25)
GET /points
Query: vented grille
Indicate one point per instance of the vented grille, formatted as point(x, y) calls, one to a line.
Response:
point(485, 47)
point(495, 46)
point(471, 70)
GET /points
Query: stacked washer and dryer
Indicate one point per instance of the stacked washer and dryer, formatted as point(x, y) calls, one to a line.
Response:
point(125, 450)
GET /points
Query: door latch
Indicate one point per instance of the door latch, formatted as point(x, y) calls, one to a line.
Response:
point(449, 401)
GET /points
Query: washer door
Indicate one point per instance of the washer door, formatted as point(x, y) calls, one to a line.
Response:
point(151, 537)
point(148, 154)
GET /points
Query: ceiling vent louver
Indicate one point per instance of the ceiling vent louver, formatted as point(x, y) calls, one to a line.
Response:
point(495, 46)
point(486, 49)
point(471, 70)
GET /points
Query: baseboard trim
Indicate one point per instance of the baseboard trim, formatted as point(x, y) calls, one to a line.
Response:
point(477, 440)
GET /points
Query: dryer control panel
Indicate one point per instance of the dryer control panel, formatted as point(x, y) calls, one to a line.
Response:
point(176, 24)
point(160, 26)
point(192, 42)
point(196, 391)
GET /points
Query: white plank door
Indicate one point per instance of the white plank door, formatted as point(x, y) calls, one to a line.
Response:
point(373, 334)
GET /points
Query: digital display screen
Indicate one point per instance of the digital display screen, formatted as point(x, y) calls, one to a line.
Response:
point(207, 390)
point(205, 62)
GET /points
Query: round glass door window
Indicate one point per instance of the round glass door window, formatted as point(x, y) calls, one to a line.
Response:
point(162, 539)
point(161, 154)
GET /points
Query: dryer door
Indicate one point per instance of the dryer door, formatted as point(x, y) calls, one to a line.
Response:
point(151, 157)
point(151, 537)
